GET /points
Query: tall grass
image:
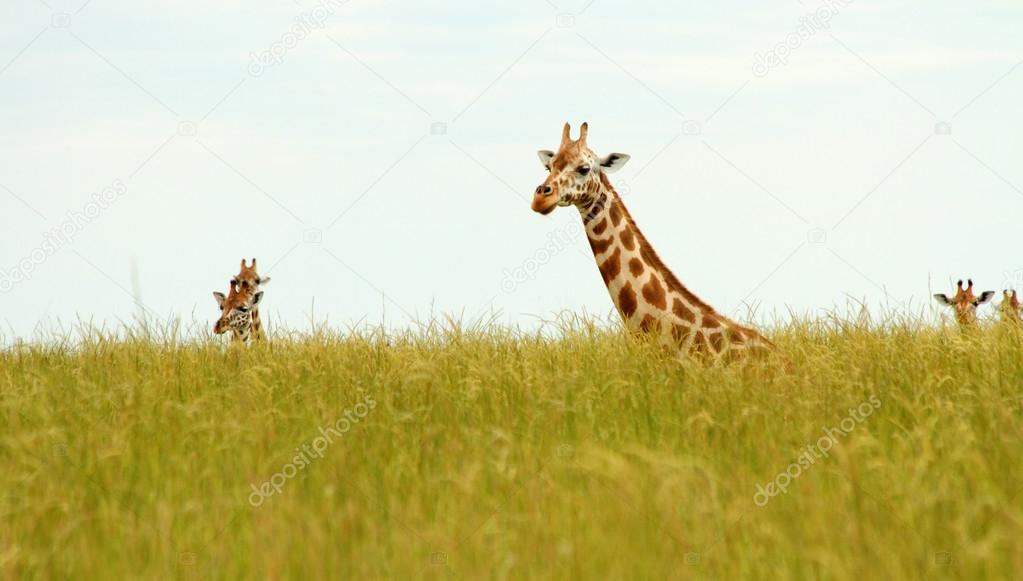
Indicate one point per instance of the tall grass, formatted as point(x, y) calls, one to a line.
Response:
point(491, 453)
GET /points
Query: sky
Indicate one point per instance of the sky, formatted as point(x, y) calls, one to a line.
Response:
point(378, 157)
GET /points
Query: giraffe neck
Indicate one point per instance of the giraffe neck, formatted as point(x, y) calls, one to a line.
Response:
point(241, 335)
point(645, 292)
point(257, 326)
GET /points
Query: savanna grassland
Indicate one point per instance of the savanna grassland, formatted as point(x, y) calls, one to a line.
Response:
point(479, 453)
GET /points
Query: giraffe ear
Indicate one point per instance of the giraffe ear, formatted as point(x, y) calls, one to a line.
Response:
point(941, 298)
point(220, 299)
point(614, 162)
point(256, 299)
point(263, 280)
point(545, 156)
point(985, 297)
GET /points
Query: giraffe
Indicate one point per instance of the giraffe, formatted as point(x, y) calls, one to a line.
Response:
point(965, 303)
point(248, 279)
point(1009, 308)
point(647, 295)
point(236, 312)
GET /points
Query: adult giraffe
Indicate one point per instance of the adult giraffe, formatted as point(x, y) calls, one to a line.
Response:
point(249, 280)
point(646, 293)
point(1009, 308)
point(236, 311)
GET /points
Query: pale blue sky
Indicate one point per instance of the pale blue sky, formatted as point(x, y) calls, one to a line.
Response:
point(824, 178)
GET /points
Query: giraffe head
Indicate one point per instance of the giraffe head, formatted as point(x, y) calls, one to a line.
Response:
point(965, 302)
point(235, 310)
point(247, 277)
point(1009, 308)
point(575, 173)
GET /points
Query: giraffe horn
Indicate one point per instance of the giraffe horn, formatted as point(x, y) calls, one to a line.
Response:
point(243, 263)
point(566, 134)
point(253, 264)
point(584, 130)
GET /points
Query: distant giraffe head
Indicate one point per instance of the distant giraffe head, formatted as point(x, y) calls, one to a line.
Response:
point(965, 302)
point(1009, 308)
point(576, 173)
point(247, 277)
point(236, 311)
point(248, 280)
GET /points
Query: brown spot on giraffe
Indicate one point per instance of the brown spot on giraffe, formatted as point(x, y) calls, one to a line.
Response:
point(611, 267)
point(627, 300)
point(717, 341)
point(700, 343)
point(736, 336)
point(648, 324)
point(636, 267)
point(628, 239)
point(710, 320)
point(600, 227)
point(682, 312)
point(680, 333)
point(599, 245)
point(616, 214)
point(653, 292)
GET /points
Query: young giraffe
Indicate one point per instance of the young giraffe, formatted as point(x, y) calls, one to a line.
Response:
point(249, 280)
point(965, 303)
point(1009, 308)
point(646, 293)
point(236, 312)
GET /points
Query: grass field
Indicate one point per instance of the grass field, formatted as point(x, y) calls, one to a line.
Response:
point(482, 453)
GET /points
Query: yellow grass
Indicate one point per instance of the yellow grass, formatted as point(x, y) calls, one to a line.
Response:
point(483, 453)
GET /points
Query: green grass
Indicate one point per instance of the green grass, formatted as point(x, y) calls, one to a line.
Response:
point(492, 454)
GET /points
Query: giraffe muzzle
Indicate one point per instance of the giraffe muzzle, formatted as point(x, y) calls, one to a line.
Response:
point(545, 199)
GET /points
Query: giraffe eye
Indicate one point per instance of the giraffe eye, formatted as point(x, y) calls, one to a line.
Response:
point(583, 170)
point(243, 309)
